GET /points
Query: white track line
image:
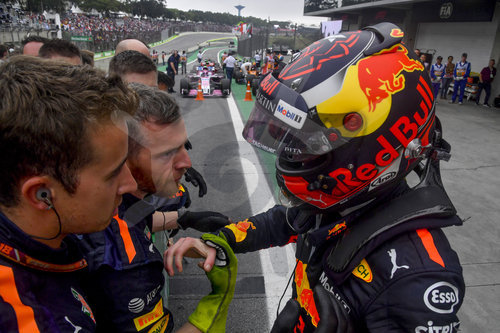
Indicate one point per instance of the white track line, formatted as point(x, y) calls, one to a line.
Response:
point(277, 263)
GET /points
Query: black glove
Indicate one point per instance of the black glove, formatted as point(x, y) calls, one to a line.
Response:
point(287, 318)
point(195, 178)
point(332, 316)
point(203, 221)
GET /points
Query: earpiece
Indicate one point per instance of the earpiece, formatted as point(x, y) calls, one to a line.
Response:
point(43, 194)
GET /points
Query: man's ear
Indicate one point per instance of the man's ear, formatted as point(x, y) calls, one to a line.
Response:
point(36, 190)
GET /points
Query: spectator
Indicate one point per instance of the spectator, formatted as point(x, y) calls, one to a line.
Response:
point(63, 172)
point(61, 50)
point(87, 57)
point(485, 78)
point(163, 55)
point(32, 44)
point(172, 66)
point(460, 75)
point(229, 62)
point(132, 44)
point(4, 53)
point(447, 77)
point(417, 52)
point(183, 60)
point(199, 56)
point(437, 71)
point(133, 66)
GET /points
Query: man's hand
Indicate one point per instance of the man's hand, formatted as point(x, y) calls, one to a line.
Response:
point(211, 313)
point(332, 317)
point(203, 221)
point(195, 178)
point(191, 248)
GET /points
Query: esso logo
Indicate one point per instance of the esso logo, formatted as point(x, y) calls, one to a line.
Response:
point(441, 297)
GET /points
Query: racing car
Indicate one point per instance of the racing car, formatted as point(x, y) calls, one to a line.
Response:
point(213, 81)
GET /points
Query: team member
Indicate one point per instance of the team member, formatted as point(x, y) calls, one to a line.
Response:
point(32, 44)
point(229, 62)
point(126, 269)
point(485, 78)
point(64, 145)
point(133, 66)
point(172, 65)
point(437, 72)
point(132, 44)
point(61, 50)
point(460, 76)
point(371, 255)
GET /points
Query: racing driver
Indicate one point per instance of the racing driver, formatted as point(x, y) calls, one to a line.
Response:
point(348, 119)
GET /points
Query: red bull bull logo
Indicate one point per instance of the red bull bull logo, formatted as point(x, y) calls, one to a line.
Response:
point(397, 33)
point(337, 229)
point(304, 293)
point(381, 76)
point(240, 229)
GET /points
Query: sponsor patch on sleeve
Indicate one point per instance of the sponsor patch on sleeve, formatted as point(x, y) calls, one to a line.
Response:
point(363, 271)
point(441, 297)
point(161, 325)
point(290, 114)
point(150, 317)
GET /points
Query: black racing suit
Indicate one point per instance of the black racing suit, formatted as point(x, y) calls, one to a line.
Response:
point(405, 278)
point(41, 287)
point(127, 279)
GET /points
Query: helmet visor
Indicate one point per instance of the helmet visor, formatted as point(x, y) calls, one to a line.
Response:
point(281, 129)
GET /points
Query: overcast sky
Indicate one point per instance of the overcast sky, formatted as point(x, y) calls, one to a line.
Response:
point(280, 10)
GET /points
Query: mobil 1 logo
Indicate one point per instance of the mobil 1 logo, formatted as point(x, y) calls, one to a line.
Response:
point(441, 297)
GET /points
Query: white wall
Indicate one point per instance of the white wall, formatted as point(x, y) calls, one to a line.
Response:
point(454, 38)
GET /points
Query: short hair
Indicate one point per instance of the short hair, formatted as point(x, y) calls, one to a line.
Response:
point(87, 57)
point(47, 110)
point(165, 79)
point(34, 38)
point(59, 47)
point(3, 50)
point(464, 55)
point(155, 106)
point(131, 62)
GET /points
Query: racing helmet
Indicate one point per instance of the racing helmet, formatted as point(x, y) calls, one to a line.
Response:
point(349, 116)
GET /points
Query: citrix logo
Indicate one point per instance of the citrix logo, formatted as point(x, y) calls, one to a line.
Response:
point(431, 328)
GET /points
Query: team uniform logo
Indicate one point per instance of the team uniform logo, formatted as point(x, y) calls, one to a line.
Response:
point(441, 297)
point(240, 229)
point(150, 317)
point(393, 255)
point(136, 305)
point(432, 328)
point(363, 271)
point(85, 306)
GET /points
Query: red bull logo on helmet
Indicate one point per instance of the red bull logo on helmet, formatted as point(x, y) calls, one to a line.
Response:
point(380, 75)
